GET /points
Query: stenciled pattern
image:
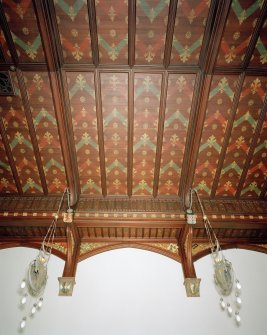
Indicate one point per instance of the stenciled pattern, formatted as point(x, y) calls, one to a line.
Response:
point(189, 28)
point(84, 122)
point(73, 25)
point(7, 184)
point(16, 128)
point(249, 108)
point(178, 105)
point(114, 89)
point(41, 103)
point(146, 112)
point(22, 22)
point(258, 167)
point(218, 112)
point(112, 28)
point(259, 57)
point(239, 27)
point(151, 25)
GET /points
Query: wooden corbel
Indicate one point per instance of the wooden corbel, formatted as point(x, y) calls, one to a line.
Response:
point(191, 281)
point(67, 281)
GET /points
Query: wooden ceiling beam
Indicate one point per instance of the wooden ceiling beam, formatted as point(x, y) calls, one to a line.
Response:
point(228, 133)
point(131, 32)
point(255, 36)
point(10, 157)
point(169, 33)
point(162, 107)
point(28, 114)
point(45, 14)
point(253, 144)
point(93, 31)
point(100, 132)
point(130, 133)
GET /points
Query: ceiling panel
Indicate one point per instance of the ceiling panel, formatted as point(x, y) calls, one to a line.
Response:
point(151, 25)
point(45, 124)
point(73, 26)
point(238, 31)
point(178, 105)
point(245, 123)
point(112, 28)
point(17, 132)
point(84, 122)
point(191, 18)
point(219, 110)
point(24, 29)
point(114, 92)
point(147, 89)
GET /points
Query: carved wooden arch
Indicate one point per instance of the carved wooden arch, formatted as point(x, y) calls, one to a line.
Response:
point(33, 245)
point(250, 247)
point(146, 247)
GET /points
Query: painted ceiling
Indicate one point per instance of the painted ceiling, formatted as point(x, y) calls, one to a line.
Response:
point(134, 98)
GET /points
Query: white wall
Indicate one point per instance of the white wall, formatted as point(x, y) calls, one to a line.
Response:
point(133, 292)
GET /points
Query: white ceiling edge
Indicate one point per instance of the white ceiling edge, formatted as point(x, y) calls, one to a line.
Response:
point(133, 292)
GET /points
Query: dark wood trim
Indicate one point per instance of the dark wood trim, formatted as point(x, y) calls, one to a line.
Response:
point(8, 36)
point(73, 250)
point(28, 114)
point(10, 157)
point(197, 118)
point(131, 32)
point(53, 53)
point(162, 107)
point(255, 35)
point(185, 251)
point(252, 148)
point(130, 133)
point(93, 31)
point(228, 132)
point(264, 189)
point(100, 131)
point(169, 32)
point(213, 34)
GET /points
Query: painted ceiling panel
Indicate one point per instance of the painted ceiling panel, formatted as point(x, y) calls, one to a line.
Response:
point(42, 109)
point(7, 184)
point(189, 28)
point(257, 172)
point(114, 89)
point(238, 31)
point(75, 40)
point(23, 25)
point(151, 25)
point(217, 115)
point(147, 88)
point(178, 105)
point(83, 108)
point(259, 57)
point(16, 128)
point(112, 28)
point(249, 108)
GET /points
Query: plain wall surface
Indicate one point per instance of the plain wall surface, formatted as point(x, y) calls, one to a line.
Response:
point(133, 292)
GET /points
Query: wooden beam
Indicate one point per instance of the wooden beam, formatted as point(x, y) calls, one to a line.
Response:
point(130, 133)
point(252, 148)
point(255, 35)
point(163, 98)
point(50, 37)
point(28, 114)
point(93, 31)
point(228, 132)
point(10, 157)
point(185, 251)
point(131, 32)
point(169, 32)
point(100, 131)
